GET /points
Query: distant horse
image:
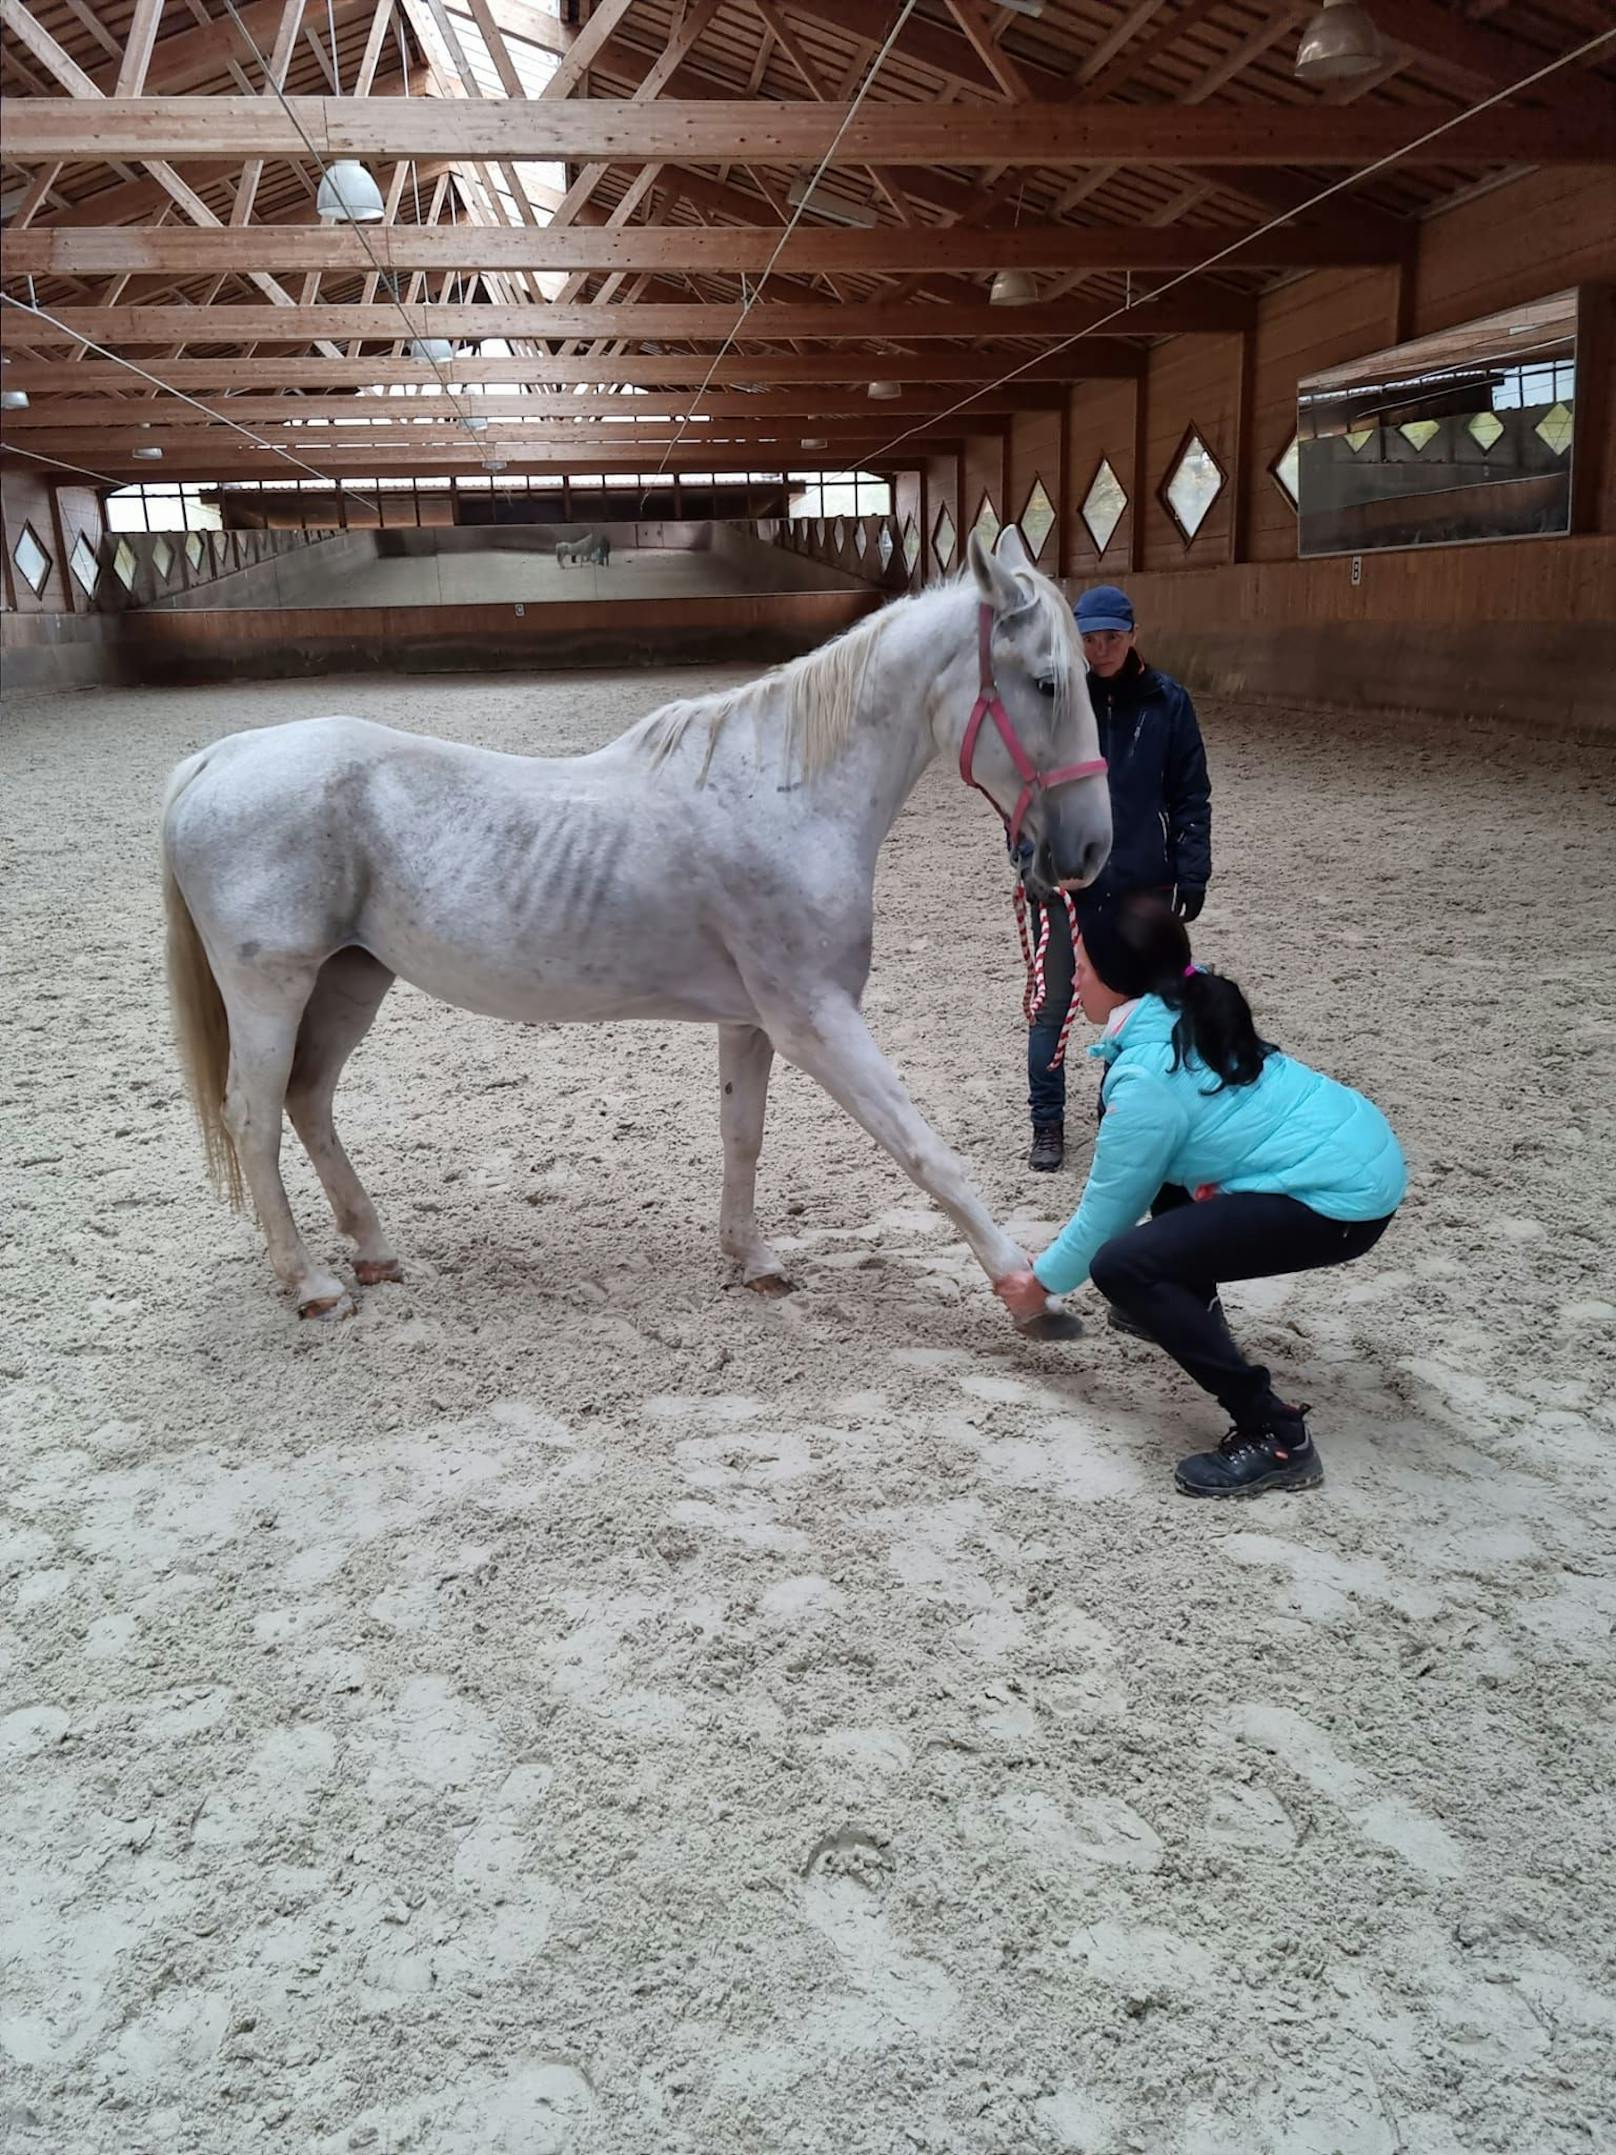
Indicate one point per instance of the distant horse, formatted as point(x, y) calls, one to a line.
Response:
point(715, 864)
point(593, 547)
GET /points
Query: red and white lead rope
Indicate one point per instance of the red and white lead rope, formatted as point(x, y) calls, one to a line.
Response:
point(1032, 955)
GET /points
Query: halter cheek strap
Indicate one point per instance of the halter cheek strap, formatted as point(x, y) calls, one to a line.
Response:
point(989, 705)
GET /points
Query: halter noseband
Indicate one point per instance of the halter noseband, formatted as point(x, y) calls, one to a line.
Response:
point(988, 705)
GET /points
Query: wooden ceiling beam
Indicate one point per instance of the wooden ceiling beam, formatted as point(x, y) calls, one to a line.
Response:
point(120, 250)
point(834, 403)
point(412, 445)
point(217, 467)
point(1174, 315)
point(1095, 358)
point(43, 129)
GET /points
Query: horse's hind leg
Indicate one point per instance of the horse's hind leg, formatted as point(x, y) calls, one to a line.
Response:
point(339, 1013)
point(263, 1039)
point(745, 1054)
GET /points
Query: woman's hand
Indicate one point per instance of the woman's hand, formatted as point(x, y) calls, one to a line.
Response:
point(1023, 1294)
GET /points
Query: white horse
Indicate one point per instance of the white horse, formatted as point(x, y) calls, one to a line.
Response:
point(715, 864)
point(595, 547)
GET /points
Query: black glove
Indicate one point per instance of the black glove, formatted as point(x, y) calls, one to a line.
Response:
point(1187, 902)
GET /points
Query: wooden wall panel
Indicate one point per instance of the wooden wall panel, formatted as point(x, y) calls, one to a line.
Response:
point(1193, 382)
point(942, 492)
point(984, 473)
point(1034, 454)
point(1102, 426)
point(25, 502)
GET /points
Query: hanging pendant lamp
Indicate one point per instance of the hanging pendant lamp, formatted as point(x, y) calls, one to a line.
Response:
point(348, 195)
point(1013, 288)
point(1341, 41)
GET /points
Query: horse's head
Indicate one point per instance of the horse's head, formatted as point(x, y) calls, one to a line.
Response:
point(1048, 766)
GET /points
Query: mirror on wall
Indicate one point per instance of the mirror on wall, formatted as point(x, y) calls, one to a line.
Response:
point(1465, 435)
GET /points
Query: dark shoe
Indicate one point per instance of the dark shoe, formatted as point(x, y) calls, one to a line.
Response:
point(1048, 1147)
point(1119, 1321)
point(1250, 1462)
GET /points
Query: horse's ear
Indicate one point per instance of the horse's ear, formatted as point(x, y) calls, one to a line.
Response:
point(1012, 549)
point(994, 578)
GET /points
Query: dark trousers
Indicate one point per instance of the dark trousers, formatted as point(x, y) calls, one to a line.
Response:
point(1046, 1088)
point(1166, 1275)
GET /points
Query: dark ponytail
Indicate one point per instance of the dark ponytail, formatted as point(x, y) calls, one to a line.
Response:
point(1141, 947)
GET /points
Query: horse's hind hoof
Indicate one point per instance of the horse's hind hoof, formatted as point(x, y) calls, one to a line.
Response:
point(772, 1285)
point(329, 1307)
point(1052, 1325)
point(374, 1271)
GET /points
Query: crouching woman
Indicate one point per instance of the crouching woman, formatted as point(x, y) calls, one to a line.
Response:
point(1289, 1171)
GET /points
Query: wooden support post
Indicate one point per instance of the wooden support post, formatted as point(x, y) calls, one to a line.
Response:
point(917, 578)
point(1240, 508)
point(64, 574)
point(1007, 515)
point(1403, 301)
point(1591, 442)
point(1141, 458)
point(1063, 483)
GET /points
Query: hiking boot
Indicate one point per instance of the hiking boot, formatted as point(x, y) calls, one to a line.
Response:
point(1119, 1321)
point(1048, 1147)
point(1249, 1462)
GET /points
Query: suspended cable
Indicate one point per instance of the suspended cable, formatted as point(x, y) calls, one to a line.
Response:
point(75, 336)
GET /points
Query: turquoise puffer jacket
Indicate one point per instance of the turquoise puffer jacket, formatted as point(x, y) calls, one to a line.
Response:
point(1294, 1133)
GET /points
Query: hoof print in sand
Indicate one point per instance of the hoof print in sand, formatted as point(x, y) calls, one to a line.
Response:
point(844, 1889)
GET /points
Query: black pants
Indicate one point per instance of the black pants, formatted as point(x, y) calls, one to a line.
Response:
point(1166, 1274)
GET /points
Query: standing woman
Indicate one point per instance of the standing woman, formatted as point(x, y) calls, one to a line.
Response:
point(1290, 1171)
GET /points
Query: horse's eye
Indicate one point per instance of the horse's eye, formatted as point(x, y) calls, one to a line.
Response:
point(1046, 685)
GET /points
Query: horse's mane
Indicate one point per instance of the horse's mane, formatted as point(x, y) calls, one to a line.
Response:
point(816, 697)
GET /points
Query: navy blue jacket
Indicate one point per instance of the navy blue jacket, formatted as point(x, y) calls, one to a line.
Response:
point(1161, 797)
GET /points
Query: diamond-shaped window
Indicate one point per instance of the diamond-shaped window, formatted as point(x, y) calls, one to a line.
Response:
point(819, 530)
point(1037, 519)
point(194, 548)
point(125, 564)
point(1555, 428)
point(1358, 439)
point(1103, 505)
point(1193, 485)
point(944, 538)
point(84, 565)
point(838, 534)
point(1484, 429)
point(884, 542)
point(861, 539)
point(911, 545)
point(32, 562)
point(1287, 471)
point(986, 526)
point(162, 557)
point(1419, 433)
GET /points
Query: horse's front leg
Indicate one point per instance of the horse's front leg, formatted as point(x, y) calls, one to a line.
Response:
point(745, 1054)
point(833, 1044)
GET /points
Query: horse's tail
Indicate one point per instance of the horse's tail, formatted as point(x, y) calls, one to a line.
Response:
point(201, 1024)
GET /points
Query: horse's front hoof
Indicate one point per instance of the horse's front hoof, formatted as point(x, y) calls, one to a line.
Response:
point(375, 1271)
point(771, 1284)
point(1054, 1324)
point(329, 1307)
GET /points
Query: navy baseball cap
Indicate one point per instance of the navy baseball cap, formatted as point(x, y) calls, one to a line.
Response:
point(1104, 607)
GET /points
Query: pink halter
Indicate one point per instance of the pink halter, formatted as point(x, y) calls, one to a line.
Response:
point(988, 705)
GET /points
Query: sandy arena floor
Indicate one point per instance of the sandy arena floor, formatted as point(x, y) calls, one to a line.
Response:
point(576, 1707)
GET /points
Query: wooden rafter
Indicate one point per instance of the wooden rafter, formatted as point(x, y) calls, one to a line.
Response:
point(601, 131)
point(678, 322)
point(620, 246)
